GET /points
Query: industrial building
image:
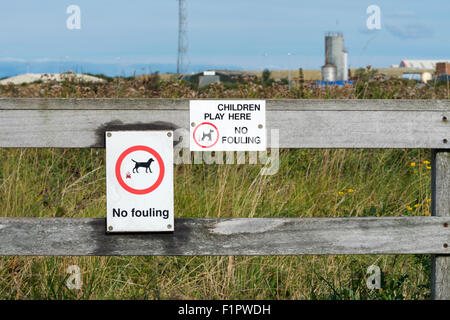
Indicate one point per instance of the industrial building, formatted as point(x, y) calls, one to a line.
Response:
point(422, 77)
point(442, 68)
point(421, 64)
point(208, 77)
point(442, 72)
point(336, 58)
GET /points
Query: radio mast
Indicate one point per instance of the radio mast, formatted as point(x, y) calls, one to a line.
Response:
point(182, 36)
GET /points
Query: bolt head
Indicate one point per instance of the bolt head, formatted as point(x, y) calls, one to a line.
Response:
point(110, 228)
point(193, 124)
point(169, 226)
point(169, 134)
point(109, 134)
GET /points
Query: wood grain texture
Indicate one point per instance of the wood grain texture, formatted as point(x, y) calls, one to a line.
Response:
point(440, 264)
point(79, 123)
point(241, 236)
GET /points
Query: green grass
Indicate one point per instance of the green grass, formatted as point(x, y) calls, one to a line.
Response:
point(310, 183)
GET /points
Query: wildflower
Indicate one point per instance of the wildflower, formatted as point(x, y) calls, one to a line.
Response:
point(428, 200)
point(340, 193)
point(426, 162)
point(427, 213)
point(351, 190)
point(428, 167)
point(378, 214)
point(413, 164)
point(416, 205)
point(409, 208)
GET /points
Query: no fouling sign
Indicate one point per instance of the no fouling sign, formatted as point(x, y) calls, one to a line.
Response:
point(139, 181)
point(227, 125)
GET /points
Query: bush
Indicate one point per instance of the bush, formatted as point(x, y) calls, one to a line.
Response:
point(266, 76)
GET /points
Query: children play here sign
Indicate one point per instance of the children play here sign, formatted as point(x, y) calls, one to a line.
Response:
point(227, 125)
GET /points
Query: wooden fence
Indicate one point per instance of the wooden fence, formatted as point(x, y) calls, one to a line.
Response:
point(81, 123)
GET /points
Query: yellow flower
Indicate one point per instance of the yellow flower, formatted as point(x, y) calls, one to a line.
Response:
point(351, 190)
point(416, 205)
point(340, 193)
point(427, 213)
point(415, 171)
point(428, 200)
point(427, 162)
point(428, 167)
point(413, 164)
point(409, 208)
point(378, 214)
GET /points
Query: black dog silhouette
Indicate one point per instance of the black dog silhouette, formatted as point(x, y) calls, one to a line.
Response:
point(145, 165)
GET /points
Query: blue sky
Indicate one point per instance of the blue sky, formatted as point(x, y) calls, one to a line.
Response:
point(232, 32)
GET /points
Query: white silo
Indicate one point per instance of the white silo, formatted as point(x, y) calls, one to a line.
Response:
point(336, 55)
point(345, 65)
point(329, 73)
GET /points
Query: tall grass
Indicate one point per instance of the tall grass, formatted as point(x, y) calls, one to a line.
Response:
point(310, 183)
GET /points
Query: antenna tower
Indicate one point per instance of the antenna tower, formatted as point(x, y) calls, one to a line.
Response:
point(182, 36)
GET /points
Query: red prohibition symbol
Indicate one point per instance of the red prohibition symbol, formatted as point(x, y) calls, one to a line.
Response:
point(153, 153)
point(203, 124)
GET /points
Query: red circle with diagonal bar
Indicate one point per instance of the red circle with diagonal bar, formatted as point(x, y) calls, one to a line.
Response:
point(153, 153)
point(210, 124)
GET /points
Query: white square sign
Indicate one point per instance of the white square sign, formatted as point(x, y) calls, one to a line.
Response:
point(139, 181)
point(227, 125)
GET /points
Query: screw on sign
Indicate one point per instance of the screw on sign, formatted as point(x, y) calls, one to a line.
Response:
point(139, 174)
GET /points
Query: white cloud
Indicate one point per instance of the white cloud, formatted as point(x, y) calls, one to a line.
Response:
point(410, 31)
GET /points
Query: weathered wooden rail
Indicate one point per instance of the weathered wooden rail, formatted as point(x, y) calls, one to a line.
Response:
point(81, 123)
point(240, 236)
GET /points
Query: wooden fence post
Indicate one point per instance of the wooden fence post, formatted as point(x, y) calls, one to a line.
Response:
point(440, 189)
